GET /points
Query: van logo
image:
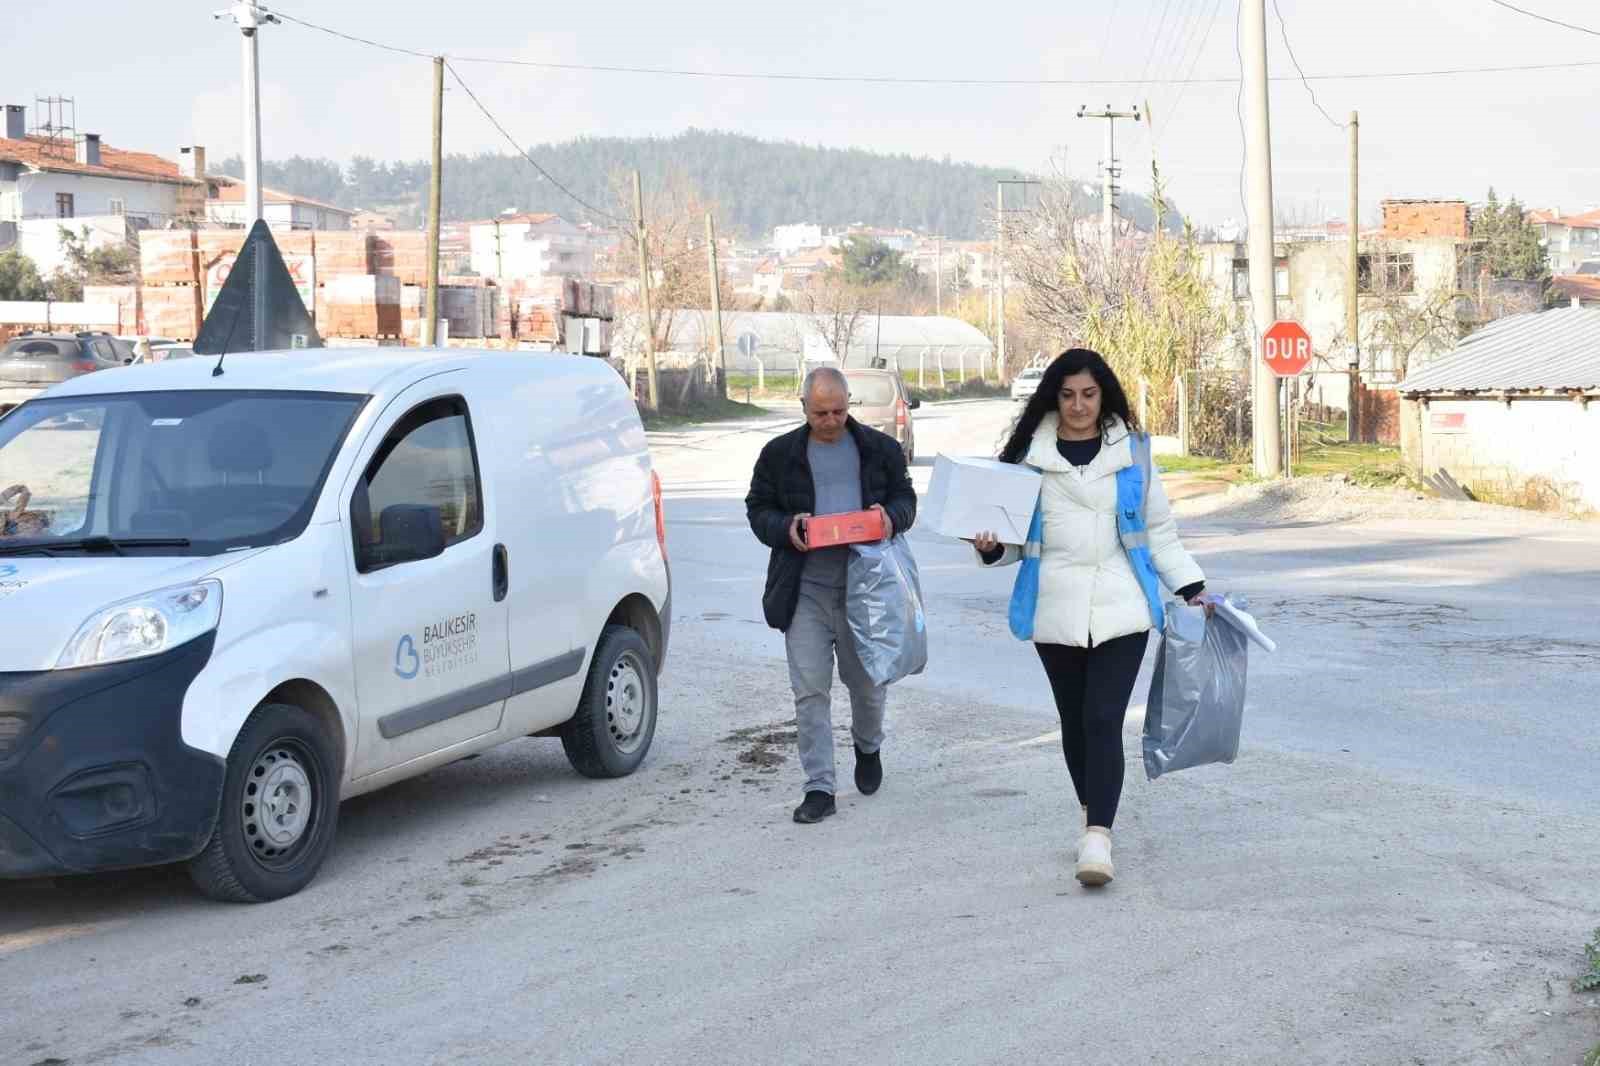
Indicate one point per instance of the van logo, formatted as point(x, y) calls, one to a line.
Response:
point(406, 660)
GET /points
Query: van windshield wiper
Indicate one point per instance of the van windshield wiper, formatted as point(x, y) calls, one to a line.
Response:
point(112, 545)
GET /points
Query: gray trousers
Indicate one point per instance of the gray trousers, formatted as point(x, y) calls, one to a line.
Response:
point(818, 633)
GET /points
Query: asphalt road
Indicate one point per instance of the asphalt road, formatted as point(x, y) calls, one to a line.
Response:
point(1401, 867)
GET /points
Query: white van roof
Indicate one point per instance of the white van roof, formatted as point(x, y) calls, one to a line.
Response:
point(359, 371)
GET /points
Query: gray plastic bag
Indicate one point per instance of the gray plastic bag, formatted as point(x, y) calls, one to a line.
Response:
point(1196, 703)
point(883, 605)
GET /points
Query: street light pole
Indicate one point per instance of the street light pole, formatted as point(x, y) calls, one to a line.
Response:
point(250, 16)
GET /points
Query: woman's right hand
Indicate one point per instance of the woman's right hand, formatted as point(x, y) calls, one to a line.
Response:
point(986, 542)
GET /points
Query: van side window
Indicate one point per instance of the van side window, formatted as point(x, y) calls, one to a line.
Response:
point(420, 493)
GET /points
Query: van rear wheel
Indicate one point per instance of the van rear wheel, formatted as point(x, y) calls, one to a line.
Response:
point(616, 720)
point(280, 806)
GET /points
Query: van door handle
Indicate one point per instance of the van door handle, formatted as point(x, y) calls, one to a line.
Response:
point(502, 573)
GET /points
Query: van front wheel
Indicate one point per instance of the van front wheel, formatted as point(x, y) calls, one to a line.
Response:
point(280, 805)
point(616, 719)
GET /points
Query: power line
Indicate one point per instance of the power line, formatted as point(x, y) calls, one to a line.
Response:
point(351, 37)
point(523, 153)
point(887, 80)
point(871, 79)
point(1545, 18)
point(1283, 28)
point(1172, 111)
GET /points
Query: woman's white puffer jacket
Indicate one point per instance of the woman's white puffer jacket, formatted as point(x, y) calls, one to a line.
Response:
point(1088, 593)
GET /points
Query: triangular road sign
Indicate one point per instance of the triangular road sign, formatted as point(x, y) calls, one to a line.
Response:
point(259, 309)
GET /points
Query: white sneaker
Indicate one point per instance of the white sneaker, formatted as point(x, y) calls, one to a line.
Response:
point(1094, 856)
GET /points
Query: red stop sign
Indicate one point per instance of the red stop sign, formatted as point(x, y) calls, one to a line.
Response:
point(1286, 348)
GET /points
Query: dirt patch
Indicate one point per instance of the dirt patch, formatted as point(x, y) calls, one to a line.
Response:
point(765, 748)
point(1339, 499)
point(1363, 612)
point(1549, 652)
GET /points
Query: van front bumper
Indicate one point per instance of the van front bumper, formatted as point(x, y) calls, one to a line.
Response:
point(94, 773)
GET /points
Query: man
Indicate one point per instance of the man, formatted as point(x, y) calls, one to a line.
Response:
point(830, 465)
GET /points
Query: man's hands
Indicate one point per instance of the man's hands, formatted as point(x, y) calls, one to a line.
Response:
point(797, 535)
point(888, 523)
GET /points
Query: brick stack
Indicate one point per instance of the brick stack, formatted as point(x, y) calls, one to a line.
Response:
point(170, 291)
point(403, 255)
point(364, 305)
point(341, 252)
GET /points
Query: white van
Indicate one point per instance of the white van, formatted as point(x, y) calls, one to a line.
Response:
point(228, 601)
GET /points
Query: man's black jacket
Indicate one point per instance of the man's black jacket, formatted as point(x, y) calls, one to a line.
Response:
point(782, 488)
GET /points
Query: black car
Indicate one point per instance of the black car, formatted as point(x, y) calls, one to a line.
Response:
point(32, 362)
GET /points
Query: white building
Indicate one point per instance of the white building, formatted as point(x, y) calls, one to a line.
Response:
point(800, 237)
point(282, 211)
point(531, 246)
point(46, 183)
point(1516, 407)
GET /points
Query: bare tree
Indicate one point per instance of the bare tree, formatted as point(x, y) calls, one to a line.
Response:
point(680, 274)
point(1144, 302)
point(835, 309)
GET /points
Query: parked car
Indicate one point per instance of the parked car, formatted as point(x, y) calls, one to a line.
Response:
point(160, 353)
point(1026, 383)
point(32, 362)
point(878, 399)
point(250, 596)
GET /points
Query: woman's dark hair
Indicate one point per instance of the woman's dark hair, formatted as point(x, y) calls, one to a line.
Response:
point(1113, 401)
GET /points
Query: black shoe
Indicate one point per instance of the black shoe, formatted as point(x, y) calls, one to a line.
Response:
point(818, 805)
point(869, 772)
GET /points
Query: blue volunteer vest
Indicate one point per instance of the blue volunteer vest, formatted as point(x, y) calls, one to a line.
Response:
point(1133, 492)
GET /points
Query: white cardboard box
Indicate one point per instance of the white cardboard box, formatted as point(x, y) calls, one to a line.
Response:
point(968, 496)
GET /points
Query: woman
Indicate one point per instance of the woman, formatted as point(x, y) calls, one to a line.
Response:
point(1093, 618)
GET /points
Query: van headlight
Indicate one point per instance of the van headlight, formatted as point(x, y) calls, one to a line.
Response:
point(145, 625)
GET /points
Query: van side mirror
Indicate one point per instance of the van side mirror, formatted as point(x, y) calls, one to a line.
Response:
point(913, 404)
point(408, 533)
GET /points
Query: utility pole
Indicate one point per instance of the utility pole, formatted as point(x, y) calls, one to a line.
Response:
point(430, 316)
point(938, 278)
point(1263, 290)
point(649, 330)
point(716, 299)
point(250, 16)
point(1108, 179)
point(1352, 299)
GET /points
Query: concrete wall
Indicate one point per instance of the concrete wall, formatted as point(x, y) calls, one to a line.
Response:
point(1490, 442)
point(40, 238)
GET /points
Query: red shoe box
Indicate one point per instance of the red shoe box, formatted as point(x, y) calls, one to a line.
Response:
point(852, 527)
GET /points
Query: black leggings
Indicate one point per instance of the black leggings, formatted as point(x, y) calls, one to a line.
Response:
point(1092, 687)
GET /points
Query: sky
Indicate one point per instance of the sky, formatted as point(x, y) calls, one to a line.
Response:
point(158, 75)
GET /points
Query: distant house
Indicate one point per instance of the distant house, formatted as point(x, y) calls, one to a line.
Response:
point(1569, 240)
point(1582, 290)
point(531, 246)
point(282, 211)
point(788, 240)
point(371, 222)
point(1514, 403)
point(47, 182)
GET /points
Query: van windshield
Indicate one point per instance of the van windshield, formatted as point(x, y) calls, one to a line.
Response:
point(168, 473)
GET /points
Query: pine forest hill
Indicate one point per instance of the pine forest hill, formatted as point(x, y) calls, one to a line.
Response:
point(754, 184)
